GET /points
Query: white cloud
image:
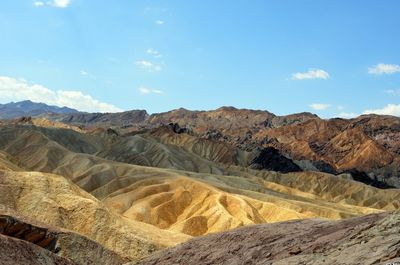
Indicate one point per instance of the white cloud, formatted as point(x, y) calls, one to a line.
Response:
point(38, 3)
point(390, 109)
point(60, 3)
point(347, 115)
point(311, 74)
point(319, 106)
point(145, 90)
point(149, 66)
point(12, 89)
point(160, 22)
point(154, 53)
point(382, 68)
point(83, 72)
point(54, 3)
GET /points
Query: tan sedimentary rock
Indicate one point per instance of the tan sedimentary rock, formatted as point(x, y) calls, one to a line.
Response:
point(53, 200)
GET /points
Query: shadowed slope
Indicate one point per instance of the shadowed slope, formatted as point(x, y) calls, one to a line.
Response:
point(146, 151)
point(6, 164)
point(15, 251)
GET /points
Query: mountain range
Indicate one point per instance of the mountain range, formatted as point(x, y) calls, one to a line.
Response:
point(367, 148)
point(226, 186)
point(28, 108)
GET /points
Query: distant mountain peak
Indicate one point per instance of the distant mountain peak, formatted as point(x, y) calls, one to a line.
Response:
point(14, 110)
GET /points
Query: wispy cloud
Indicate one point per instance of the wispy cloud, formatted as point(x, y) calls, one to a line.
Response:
point(382, 68)
point(160, 22)
point(319, 106)
point(87, 74)
point(38, 3)
point(395, 92)
point(311, 74)
point(154, 53)
point(390, 109)
point(149, 66)
point(145, 90)
point(12, 89)
point(54, 3)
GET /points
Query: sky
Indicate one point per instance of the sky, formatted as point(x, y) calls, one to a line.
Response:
point(335, 58)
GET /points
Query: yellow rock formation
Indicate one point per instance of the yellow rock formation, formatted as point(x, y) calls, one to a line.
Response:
point(55, 201)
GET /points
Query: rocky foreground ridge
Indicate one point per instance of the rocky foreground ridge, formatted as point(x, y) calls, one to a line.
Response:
point(371, 239)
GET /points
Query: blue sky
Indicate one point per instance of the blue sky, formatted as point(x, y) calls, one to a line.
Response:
point(332, 57)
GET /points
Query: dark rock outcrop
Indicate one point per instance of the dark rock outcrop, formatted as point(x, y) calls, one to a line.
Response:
point(178, 129)
point(271, 159)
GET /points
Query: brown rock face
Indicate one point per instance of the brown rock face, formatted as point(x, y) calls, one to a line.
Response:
point(368, 144)
point(42, 237)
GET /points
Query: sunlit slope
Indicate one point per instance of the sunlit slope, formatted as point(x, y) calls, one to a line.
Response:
point(326, 187)
point(55, 201)
point(195, 206)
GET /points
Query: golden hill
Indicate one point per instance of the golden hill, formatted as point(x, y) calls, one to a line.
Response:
point(55, 201)
point(198, 203)
point(196, 207)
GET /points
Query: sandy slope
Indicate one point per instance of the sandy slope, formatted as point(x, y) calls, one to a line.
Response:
point(195, 207)
point(53, 200)
point(194, 203)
